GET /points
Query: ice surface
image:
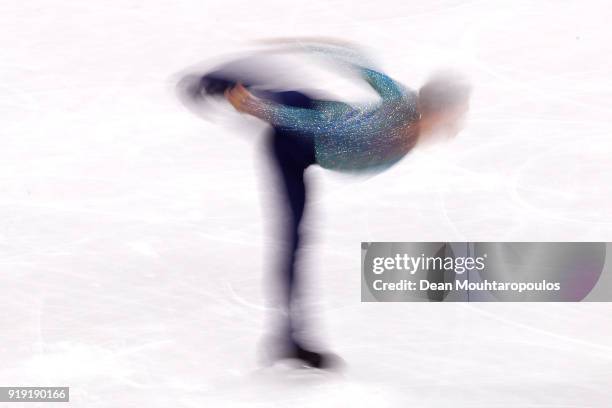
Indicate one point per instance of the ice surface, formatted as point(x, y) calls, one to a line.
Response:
point(134, 235)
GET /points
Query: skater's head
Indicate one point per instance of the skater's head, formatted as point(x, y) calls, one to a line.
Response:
point(443, 102)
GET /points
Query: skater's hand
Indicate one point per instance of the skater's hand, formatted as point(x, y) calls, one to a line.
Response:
point(239, 97)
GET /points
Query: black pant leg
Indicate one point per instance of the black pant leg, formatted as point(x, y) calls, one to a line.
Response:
point(292, 154)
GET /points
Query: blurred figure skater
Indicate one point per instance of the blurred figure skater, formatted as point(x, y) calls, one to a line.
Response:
point(337, 136)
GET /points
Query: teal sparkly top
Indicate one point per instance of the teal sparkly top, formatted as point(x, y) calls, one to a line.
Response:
point(368, 137)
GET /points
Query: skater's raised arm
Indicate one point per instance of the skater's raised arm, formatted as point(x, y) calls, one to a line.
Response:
point(354, 59)
point(384, 86)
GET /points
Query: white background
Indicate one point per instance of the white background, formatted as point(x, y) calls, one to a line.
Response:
point(134, 236)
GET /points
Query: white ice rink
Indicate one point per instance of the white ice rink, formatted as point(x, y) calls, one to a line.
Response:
point(134, 235)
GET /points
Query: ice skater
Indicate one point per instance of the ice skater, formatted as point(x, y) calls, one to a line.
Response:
point(337, 136)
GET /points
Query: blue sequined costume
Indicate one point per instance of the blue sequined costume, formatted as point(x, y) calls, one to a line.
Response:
point(369, 137)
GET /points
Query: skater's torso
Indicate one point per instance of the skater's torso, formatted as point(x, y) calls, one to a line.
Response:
point(369, 137)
